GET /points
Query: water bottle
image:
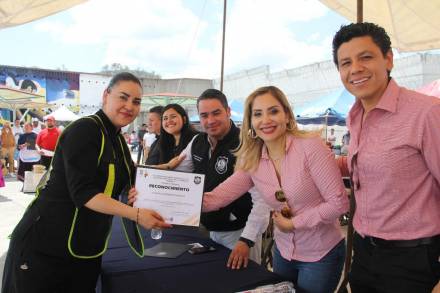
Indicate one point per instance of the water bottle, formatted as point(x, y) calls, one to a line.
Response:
point(156, 234)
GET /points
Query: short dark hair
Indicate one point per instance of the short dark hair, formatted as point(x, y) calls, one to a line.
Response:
point(354, 30)
point(156, 109)
point(213, 94)
point(122, 76)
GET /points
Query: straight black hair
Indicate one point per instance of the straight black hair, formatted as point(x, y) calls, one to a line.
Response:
point(354, 30)
point(122, 76)
point(213, 94)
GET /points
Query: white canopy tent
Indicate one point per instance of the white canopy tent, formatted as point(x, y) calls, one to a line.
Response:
point(16, 12)
point(413, 25)
point(63, 114)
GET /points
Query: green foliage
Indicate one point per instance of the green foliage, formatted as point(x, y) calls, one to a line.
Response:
point(117, 67)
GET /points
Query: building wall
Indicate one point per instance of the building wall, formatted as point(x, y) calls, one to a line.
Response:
point(308, 82)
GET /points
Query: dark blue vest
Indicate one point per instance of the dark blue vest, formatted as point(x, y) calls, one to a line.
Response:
point(217, 169)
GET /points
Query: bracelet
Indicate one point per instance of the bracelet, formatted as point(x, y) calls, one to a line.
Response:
point(137, 217)
point(249, 243)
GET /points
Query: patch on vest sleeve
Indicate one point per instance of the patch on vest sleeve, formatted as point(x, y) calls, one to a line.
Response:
point(197, 158)
point(221, 166)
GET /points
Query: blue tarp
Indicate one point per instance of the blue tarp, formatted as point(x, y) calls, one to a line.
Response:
point(329, 117)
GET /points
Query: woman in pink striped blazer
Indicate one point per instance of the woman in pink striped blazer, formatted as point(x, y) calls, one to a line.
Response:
point(298, 177)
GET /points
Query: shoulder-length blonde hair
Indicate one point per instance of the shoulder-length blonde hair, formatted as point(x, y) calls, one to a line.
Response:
point(249, 151)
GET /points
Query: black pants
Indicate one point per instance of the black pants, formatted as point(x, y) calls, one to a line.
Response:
point(29, 271)
point(394, 269)
point(45, 161)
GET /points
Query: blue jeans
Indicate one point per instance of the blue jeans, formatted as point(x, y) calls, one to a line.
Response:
point(321, 276)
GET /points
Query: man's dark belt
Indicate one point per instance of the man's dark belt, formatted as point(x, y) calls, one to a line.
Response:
point(379, 242)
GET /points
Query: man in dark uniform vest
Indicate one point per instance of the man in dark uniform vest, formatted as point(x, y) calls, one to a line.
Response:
point(239, 225)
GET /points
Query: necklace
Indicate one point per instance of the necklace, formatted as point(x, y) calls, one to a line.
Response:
point(276, 159)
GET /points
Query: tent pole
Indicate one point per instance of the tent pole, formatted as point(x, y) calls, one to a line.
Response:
point(360, 11)
point(223, 46)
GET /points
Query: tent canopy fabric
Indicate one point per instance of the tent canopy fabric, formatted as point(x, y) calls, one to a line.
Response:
point(163, 99)
point(16, 12)
point(63, 114)
point(17, 99)
point(412, 25)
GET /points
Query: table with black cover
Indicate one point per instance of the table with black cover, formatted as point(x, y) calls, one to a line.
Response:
point(124, 272)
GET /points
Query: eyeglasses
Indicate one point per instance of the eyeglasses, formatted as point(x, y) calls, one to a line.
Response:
point(286, 211)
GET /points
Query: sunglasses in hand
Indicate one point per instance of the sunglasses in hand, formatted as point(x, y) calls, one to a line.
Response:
point(286, 211)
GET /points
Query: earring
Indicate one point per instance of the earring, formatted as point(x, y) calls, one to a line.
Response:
point(252, 134)
point(289, 127)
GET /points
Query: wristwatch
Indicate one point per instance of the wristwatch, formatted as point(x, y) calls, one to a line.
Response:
point(249, 243)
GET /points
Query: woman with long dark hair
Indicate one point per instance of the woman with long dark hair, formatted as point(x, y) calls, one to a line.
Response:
point(175, 132)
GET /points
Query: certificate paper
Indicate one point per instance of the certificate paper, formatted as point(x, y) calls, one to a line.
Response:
point(176, 196)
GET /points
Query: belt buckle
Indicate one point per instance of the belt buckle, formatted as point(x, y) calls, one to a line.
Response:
point(372, 242)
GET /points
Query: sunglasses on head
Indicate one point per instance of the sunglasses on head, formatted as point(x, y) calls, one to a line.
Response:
point(286, 211)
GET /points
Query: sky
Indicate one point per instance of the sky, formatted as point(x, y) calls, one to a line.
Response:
point(175, 38)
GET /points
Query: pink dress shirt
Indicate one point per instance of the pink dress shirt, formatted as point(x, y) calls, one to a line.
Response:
point(398, 165)
point(314, 190)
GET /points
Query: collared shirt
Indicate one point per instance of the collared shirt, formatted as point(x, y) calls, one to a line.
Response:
point(258, 218)
point(398, 165)
point(312, 184)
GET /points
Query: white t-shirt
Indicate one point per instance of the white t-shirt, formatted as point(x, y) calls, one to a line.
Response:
point(149, 138)
point(332, 139)
point(17, 131)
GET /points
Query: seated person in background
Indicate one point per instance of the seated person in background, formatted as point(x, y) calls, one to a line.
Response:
point(297, 176)
point(332, 137)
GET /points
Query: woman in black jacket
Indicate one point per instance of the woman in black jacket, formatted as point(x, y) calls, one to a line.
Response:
point(58, 244)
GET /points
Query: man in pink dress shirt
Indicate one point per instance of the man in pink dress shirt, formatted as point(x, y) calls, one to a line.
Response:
point(394, 157)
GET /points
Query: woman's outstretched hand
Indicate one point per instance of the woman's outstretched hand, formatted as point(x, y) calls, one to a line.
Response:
point(150, 219)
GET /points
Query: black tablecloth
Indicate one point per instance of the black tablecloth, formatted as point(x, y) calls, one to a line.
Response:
point(124, 272)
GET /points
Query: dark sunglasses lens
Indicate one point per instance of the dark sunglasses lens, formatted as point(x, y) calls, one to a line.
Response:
point(279, 195)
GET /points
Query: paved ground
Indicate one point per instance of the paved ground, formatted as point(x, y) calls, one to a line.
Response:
point(13, 203)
